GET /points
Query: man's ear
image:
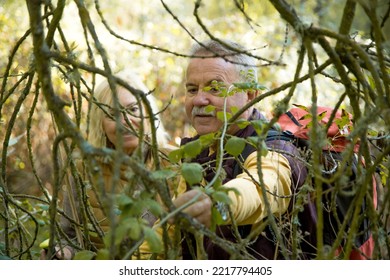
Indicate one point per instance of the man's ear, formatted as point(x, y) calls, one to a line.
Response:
point(252, 94)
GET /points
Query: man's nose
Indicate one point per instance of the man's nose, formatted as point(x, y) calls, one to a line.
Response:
point(201, 98)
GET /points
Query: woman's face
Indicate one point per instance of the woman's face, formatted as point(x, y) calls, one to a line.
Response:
point(130, 140)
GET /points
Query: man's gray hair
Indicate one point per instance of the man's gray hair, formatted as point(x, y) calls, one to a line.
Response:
point(231, 52)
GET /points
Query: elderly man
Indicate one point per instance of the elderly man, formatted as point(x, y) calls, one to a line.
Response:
point(212, 68)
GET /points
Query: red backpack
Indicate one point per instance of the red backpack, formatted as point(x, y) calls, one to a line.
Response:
point(295, 126)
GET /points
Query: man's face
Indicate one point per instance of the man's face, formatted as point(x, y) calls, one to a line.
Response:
point(202, 73)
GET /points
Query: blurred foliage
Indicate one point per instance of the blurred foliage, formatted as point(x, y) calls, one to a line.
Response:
point(152, 39)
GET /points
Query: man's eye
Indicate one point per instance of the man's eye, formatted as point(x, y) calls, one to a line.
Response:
point(214, 90)
point(192, 90)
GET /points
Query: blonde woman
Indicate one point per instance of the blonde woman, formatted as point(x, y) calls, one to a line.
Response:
point(121, 132)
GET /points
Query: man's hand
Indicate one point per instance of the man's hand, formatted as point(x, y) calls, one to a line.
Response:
point(68, 253)
point(200, 209)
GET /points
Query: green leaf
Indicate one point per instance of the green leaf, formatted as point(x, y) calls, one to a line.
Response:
point(234, 110)
point(221, 116)
point(242, 123)
point(123, 201)
point(251, 85)
point(277, 127)
point(84, 255)
point(138, 207)
point(207, 139)
point(134, 228)
point(344, 121)
point(221, 196)
point(153, 206)
point(261, 87)
point(122, 231)
point(192, 149)
point(372, 133)
point(264, 149)
point(153, 240)
point(209, 108)
point(235, 146)
point(163, 174)
point(253, 140)
point(302, 107)
point(103, 254)
point(176, 155)
point(218, 182)
point(242, 85)
point(321, 116)
point(258, 125)
point(305, 117)
point(192, 173)
point(216, 218)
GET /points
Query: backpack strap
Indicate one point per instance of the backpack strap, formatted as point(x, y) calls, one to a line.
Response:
point(272, 135)
point(291, 116)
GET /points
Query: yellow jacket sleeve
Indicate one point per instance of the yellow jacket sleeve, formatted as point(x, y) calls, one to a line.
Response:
point(249, 206)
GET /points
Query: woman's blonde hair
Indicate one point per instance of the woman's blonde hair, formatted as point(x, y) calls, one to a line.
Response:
point(104, 97)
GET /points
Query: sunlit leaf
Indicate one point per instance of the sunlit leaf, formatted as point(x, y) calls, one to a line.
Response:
point(302, 107)
point(321, 116)
point(305, 117)
point(221, 115)
point(343, 121)
point(372, 133)
point(241, 123)
point(233, 110)
point(209, 108)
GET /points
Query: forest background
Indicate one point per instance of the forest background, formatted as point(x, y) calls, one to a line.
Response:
point(152, 39)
